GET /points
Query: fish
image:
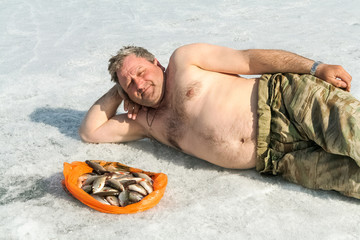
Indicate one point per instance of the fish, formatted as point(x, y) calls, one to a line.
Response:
point(96, 167)
point(91, 179)
point(128, 178)
point(106, 191)
point(82, 179)
point(122, 172)
point(113, 200)
point(100, 199)
point(126, 183)
point(147, 186)
point(143, 175)
point(115, 184)
point(137, 188)
point(98, 184)
point(87, 188)
point(135, 196)
point(115, 166)
point(124, 198)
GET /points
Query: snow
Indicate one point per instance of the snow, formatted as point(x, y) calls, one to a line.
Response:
point(53, 66)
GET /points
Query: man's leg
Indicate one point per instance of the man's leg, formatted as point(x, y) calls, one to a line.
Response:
point(330, 117)
point(307, 131)
point(327, 115)
point(314, 168)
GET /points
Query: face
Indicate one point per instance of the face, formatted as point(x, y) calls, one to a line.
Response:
point(142, 80)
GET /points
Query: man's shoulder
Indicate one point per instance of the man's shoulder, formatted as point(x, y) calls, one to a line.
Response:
point(187, 53)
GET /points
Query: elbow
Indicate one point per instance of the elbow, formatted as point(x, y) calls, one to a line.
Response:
point(86, 136)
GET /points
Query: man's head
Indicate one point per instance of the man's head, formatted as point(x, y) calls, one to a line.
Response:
point(139, 74)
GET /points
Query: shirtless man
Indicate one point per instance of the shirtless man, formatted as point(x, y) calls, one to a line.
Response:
point(200, 104)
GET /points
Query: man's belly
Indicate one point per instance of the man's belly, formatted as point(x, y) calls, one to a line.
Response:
point(229, 147)
point(215, 120)
point(223, 129)
point(239, 156)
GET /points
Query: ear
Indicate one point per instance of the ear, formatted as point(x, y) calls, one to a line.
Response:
point(157, 63)
point(122, 92)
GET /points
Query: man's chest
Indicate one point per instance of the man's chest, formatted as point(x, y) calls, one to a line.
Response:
point(171, 122)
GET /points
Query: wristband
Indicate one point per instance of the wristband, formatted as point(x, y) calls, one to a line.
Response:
point(314, 67)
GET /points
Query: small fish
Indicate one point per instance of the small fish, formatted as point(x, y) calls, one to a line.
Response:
point(127, 178)
point(126, 183)
point(124, 198)
point(135, 196)
point(147, 186)
point(116, 170)
point(113, 200)
point(98, 184)
point(115, 184)
point(100, 199)
point(91, 179)
point(114, 166)
point(82, 179)
point(143, 175)
point(87, 188)
point(106, 191)
point(113, 175)
point(122, 172)
point(137, 188)
point(97, 167)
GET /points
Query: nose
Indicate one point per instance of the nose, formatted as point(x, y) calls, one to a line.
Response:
point(140, 84)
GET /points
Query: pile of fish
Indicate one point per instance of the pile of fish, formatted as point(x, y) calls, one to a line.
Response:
point(115, 184)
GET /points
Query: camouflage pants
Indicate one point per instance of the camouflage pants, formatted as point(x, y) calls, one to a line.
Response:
point(309, 132)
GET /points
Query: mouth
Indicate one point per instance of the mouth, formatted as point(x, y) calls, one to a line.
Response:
point(144, 93)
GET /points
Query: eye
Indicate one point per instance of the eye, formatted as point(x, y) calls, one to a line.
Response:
point(130, 83)
point(141, 72)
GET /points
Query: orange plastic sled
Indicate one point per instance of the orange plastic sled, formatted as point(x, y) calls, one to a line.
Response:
point(72, 171)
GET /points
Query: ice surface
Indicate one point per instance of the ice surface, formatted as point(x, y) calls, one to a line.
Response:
point(53, 66)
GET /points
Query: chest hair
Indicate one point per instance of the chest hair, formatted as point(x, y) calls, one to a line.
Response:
point(178, 119)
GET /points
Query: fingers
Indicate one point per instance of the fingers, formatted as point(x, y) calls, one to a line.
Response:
point(132, 108)
point(342, 79)
point(126, 105)
point(335, 75)
point(346, 77)
point(339, 83)
point(133, 111)
point(129, 106)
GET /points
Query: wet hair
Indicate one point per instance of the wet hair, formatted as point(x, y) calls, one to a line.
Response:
point(116, 62)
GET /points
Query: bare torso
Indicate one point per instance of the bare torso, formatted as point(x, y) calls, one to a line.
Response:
point(207, 114)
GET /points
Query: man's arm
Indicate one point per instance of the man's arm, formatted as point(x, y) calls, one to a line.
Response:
point(102, 125)
point(257, 61)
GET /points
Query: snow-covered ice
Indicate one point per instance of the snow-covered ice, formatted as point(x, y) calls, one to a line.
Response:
point(53, 66)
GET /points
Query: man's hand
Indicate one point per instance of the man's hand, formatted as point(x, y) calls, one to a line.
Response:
point(130, 107)
point(335, 75)
point(102, 124)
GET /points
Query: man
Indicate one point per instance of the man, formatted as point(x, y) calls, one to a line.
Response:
point(298, 126)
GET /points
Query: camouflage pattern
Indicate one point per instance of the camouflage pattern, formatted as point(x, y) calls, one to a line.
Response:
point(309, 132)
